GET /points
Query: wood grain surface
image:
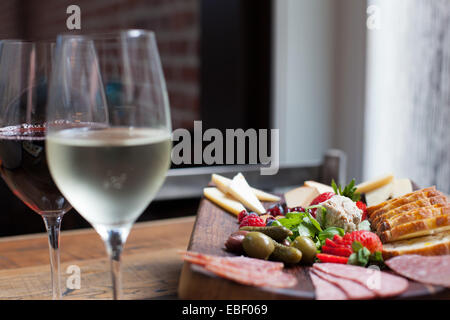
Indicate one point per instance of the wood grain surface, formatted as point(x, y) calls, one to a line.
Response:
point(212, 227)
point(151, 265)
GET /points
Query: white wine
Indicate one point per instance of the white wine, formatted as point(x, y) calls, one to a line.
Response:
point(109, 175)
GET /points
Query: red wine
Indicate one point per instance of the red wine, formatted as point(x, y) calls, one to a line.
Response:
point(23, 166)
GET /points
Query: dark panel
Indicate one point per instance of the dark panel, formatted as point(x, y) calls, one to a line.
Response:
point(235, 63)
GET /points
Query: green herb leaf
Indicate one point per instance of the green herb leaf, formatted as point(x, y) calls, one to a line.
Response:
point(376, 257)
point(353, 259)
point(363, 256)
point(276, 223)
point(290, 223)
point(334, 186)
point(349, 190)
point(303, 230)
point(314, 222)
point(330, 233)
point(356, 246)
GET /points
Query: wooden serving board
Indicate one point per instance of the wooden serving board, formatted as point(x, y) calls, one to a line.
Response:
point(212, 227)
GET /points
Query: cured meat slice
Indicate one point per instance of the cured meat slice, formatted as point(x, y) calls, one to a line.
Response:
point(352, 289)
point(277, 279)
point(430, 270)
point(325, 290)
point(244, 270)
point(381, 283)
point(203, 259)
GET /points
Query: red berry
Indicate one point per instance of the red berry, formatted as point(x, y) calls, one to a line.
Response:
point(296, 209)
point(242, 215)
point(368, 239)
point(337, 251)
point(362, 206)
point(319, 199)
point(323, 257)
point(276, 210)
point(331, 243)
point(322, 197)
point(252, 221)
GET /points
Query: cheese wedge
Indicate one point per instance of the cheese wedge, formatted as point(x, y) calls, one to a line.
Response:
point(222, 184)
point(379, 195)
point(222, 200)
point(374, 184)
point(301, 196)
point(240, 190)
point(401, 187)
point(319, 186)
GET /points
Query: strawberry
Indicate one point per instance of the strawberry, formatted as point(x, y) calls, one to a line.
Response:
point(331, 258)
point(331, 243)
point(362, 206)
point(322, 197)
point(252, 221)
point(319, 199)
point(341, 242)
point(337, 251)
point(368, 239)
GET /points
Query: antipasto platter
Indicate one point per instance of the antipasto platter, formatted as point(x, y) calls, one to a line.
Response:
point(379, 239)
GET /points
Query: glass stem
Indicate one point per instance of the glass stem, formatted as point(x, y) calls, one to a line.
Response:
point(114, 239)
point(53, 225)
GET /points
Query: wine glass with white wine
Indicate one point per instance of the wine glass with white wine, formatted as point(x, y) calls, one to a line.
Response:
point(109, 131)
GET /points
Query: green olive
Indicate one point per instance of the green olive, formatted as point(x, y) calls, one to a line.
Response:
point(258, 245)
point(307, 247)
point(286, 254)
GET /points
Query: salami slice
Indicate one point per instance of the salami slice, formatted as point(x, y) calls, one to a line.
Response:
point(425, 269)
point(325, 290)
point(381, 283)
point(241, 275)
point(203, 259)
point(244, 270)
point(352, 289)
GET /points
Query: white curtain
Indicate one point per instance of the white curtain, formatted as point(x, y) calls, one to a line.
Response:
point(407, 118)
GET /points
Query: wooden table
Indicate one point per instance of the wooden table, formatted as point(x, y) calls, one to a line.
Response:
point(151, 266)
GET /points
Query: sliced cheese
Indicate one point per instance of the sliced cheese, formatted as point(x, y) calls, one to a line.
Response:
point(319, 186)
point(301, 196)
point(222, 184)
point(240, 190)
point(374, 184)
point(379, 195)
point(401, 187)
point(222, 200)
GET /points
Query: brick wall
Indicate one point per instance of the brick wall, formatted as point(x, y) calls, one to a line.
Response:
point(175, 22)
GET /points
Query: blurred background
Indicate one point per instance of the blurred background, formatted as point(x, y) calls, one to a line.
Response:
point(371, 78)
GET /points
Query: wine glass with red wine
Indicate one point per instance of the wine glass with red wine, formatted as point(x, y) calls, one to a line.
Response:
point(24, 72)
